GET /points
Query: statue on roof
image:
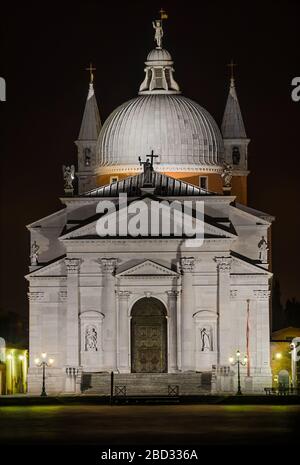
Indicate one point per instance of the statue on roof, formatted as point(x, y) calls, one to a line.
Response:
point(263, 250)
point(227, 175)
point(148, 168)
point(34, 254)
point(157, 25)
point(69, 176)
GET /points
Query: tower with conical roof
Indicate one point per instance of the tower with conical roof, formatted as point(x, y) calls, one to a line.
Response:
point(235, 143)
point(87, 139)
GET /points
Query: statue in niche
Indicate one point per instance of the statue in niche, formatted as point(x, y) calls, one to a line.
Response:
point(263, 250)
point(205, 340)
point(34, 256)
point(91, 339)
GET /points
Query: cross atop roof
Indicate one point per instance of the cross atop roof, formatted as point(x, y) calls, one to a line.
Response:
point(231, 65)
point(91, 69)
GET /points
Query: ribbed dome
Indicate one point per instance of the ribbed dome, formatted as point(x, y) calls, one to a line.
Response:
point(181, 132)
point(159, 54)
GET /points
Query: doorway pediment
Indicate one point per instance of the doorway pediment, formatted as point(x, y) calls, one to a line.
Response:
point(148, 268)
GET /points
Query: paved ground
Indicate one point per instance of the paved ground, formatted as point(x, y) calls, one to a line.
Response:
point(146, 425)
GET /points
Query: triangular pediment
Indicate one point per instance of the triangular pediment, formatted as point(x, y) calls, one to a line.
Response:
point(147, 268)
point(244, 215)
point(242, 265)
point(120, 217)
point(55, 268)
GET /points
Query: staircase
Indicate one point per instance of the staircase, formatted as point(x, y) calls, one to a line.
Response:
point(147, 384)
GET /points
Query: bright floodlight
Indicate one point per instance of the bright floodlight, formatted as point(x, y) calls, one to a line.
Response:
point(278, 355)
point(9, 357)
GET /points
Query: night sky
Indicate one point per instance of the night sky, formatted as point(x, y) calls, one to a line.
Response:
point(44, 49)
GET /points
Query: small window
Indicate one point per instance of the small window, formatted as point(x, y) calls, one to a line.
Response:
point(203, 182)
point(236, 156)
point(87, 156)
point(113, 179)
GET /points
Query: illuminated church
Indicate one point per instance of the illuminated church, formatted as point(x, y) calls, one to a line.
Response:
point(164, 314)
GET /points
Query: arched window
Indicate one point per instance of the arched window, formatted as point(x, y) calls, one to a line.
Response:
point(236, 156)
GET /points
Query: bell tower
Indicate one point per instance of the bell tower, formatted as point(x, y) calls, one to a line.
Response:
point(235, 142)
point(87, 140)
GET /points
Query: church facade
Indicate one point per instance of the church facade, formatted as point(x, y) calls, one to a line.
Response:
point(159, 310)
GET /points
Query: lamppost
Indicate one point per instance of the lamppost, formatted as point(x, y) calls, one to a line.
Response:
point(44, 363)
point(238, 362)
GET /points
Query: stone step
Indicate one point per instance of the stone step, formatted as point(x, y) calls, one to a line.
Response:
point(148, 383)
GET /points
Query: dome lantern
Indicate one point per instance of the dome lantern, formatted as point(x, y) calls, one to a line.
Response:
point(159, 68)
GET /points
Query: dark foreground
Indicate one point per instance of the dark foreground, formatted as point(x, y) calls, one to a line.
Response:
point(149, 425)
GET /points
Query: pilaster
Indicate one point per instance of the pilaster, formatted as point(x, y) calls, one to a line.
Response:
point(72, 327)
point(108, 266)
point(225, 320)
point(187, 311)
point(172, 305)
point(123, 350)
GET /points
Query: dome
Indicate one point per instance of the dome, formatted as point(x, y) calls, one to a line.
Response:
point(181, 132)
point(159, 54)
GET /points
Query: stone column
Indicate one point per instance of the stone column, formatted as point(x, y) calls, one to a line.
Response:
point(108, 266)
point(172, 345)
point(263, 329)
point(187, 311)
point(123, 332)
point(225, 320)
point(72, 326)
point(178, 311)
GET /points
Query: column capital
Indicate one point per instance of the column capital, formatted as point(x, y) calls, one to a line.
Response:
point(123, 294)
point(223, 263)
point(108, 265)
point(187, 264)
point(35, 296)
point(172, 294)
point(73, 265)
point(262, 294)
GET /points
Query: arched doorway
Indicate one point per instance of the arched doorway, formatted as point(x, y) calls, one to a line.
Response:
point(148, 336)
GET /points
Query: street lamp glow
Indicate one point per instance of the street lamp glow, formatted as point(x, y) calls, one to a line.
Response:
point(9, 356)
point(21, 357)
point(238, 362)
point(44, 363)
point(278, 356)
